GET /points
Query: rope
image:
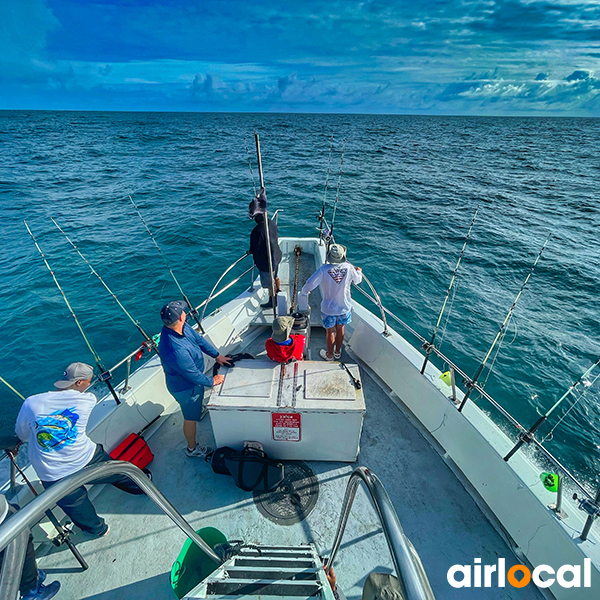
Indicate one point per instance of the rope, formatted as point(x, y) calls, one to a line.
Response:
point(250, 165)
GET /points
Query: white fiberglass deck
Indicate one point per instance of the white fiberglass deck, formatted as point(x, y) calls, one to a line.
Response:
point(441, 519)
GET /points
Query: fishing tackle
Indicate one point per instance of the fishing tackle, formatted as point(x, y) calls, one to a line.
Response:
point(337, 192)
point(104, 375)
point(193, 311)
point(471, 384)
point(149, 343)
point(321, 215)
point(429, 347)
point(526, 437)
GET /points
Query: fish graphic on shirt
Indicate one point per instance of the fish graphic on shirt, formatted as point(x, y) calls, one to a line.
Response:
point(337, 274)
point(57, 430)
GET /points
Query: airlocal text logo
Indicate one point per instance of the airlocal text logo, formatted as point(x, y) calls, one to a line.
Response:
point(478, 575)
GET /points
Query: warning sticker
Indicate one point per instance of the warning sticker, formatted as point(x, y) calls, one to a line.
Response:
point(286, 427)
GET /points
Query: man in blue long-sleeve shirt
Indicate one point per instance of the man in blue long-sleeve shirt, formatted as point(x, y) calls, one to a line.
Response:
point(181, 351)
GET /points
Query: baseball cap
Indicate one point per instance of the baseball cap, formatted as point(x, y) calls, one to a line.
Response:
point(281, 328)
point(75, 372)
point(336, 254)
point(171, 312)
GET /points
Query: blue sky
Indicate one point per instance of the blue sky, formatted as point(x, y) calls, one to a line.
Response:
point(374, 56)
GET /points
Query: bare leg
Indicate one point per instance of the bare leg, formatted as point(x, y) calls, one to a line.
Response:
point(339, 338)
point(330, 335)
point(189, 430)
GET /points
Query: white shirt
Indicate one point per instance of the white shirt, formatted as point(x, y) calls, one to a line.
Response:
point(335, 281)
point(54, 425)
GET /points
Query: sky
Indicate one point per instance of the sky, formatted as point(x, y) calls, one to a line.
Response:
point(481, 57)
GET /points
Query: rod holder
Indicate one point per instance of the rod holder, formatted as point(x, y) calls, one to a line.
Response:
point(557, 508)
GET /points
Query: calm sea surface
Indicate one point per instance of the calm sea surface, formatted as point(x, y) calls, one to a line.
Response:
point(409, 188)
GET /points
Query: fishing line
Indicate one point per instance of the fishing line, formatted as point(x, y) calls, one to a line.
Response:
point(337, 192)
point(322, 213)
point(471, 384)
point(105, 375)
point(10, 387)
point(429, 347)
point(250, 165)
point(445, 326)
point(150, 345)
point(193, 311)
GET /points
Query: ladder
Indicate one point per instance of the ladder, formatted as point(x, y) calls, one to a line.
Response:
point(274, 571)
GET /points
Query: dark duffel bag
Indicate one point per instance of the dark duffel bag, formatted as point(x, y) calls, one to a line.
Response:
point(251, 468)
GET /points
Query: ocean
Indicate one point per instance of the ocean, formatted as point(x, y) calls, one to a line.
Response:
point(408, 190)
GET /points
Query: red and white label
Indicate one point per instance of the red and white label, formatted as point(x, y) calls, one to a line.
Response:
point(286, 427)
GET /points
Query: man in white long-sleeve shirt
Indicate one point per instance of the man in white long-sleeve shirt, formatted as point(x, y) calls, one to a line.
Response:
point(334, 278)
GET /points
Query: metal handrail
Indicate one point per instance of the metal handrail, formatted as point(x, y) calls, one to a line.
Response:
point(409, 569)
point(275, 216)
point(379, 304)
point(36, 509)
point(210, 296)
point(487, 397)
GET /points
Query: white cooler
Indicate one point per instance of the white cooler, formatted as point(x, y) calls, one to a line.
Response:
point(300, 411)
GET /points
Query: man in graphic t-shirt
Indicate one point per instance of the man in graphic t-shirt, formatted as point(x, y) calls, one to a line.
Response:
point(54, 425)
point(334, 278)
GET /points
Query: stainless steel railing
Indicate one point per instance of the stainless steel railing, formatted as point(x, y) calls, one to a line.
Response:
point(29, 515)
point(407, 563)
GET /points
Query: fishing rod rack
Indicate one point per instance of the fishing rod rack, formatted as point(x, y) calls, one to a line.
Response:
point(468, 382)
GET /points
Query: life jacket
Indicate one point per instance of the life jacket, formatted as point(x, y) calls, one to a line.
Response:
point(284, 354)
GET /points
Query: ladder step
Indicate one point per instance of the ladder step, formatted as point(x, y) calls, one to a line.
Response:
point(284, 553)
point(264, 587)
point(288, 563)
point(271, 573)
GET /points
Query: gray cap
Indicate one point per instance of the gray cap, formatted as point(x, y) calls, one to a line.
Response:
point(75, 372)
point(336, 254)
point(171, 312)
point(382, 586)
point(281, 328)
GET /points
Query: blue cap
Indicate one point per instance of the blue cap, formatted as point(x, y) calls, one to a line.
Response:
point(171, 312)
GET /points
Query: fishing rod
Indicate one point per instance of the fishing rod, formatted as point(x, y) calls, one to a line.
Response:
point(193, 311)
point(321, 216)
point(337, 192)
point(429, 347)
point(149, 343)
point(471, 384)
point(10, 387)
point(526, 437)
point(104, 375)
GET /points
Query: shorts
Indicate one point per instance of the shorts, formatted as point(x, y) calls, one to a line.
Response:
point(332, 321)
point(265, 278)
point(191, 402)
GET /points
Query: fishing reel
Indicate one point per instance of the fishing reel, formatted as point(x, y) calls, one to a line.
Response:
point(588, 506)
point(146, 345)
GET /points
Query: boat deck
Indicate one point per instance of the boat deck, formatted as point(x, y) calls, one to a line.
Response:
point(441, 519)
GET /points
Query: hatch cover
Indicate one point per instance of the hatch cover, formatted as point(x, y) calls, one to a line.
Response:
point(293, 499)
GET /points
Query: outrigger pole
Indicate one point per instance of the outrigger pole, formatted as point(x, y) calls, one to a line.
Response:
point(104, 375)
point(527, 436)
point(322, 213)
point(193, 311)
point(337, 192)
point(471, 384)
point(149, 343)
point(429, 347)
point(266, 221)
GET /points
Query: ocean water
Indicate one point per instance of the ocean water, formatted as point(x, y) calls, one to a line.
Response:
point(408, 190)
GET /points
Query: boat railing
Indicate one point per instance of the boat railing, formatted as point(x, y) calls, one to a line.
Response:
point(29, 515)
point(468, 381)
point(409, 568)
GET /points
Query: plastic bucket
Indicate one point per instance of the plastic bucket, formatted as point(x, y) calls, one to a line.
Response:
point(192, 565)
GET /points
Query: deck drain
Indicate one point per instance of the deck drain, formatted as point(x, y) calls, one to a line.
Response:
point(293, 499)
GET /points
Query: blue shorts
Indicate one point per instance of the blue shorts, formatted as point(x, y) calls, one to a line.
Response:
point(190, 402)
point(332, 321)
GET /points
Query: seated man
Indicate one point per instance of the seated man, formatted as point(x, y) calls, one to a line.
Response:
point(281, 346)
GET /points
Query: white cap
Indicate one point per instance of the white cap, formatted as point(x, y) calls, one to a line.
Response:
point(75, 372)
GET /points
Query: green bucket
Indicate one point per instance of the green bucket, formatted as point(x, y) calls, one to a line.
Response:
point(192, 565)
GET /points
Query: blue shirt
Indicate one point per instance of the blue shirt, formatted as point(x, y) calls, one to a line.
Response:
point(182, 359)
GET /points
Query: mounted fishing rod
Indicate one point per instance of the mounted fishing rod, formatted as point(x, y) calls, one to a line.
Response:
point(429, 347)
point(321, 215)
point(526, 437)
point(10, 387)
point(337, 194)
point(149, 343)
point(192, 310)
point(263, 193)
point(104, 375)
point(471, 383)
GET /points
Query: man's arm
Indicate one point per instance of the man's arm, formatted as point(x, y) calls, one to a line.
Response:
point(357, 275)
point(186, 367)
point(313, 281)
point(21, 426)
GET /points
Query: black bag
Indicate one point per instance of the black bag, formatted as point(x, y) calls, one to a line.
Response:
point(251, 468)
